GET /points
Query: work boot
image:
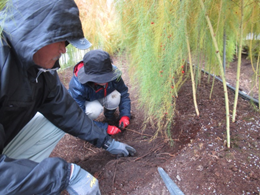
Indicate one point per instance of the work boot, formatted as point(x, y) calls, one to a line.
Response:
point(109, 114)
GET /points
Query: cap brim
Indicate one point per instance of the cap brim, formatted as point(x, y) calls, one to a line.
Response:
point(103, 78)
point(82, 43)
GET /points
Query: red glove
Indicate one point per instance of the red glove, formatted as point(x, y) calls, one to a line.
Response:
point(124, 122)
point(112, 130)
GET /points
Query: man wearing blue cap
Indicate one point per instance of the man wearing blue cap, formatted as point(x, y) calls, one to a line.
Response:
point(36, 110)
point(97, 86)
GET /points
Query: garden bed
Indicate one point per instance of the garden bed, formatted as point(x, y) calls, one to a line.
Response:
point(198, 162)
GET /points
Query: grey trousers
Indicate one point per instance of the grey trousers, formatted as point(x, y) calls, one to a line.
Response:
point(94, 108)
point(35, 141)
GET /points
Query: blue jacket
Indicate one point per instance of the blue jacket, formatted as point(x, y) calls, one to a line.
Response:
point(88, 92)
point(28, 26)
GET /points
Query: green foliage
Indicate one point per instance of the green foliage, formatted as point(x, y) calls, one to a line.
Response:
point(100, 24)
point(71, 57)
point(2, 4)
point(2, 17)
point(154, 34)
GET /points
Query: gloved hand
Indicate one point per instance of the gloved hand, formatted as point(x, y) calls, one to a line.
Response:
point(120, 149)
point(81, 182)
point(112, 130)
point(124, 122)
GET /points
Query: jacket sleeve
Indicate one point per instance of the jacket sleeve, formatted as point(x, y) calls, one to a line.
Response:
point(102, 125)
point(76, 90)
point(125, 103)
point(2, 138)
point(63, 111)
point(24, 177)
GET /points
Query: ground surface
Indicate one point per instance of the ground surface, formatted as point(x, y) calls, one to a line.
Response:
point(199, 162)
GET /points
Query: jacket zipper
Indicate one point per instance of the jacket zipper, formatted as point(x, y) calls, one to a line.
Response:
point(105, 89)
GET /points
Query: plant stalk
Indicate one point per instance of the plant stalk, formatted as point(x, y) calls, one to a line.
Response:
point(222, 75)
point(238, 63)
point(192, 78)
point(257, 65)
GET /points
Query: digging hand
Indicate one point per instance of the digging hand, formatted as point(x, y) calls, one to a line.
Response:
point(112, 130)
point(81, 182)
point(124, 122)
point(118, 148)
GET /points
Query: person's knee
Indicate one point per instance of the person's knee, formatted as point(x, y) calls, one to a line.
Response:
point(35, 141)
point(42, 126)
point(113, 100)
point(93, 109)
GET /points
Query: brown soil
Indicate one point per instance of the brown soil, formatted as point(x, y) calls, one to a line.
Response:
point(199, 161)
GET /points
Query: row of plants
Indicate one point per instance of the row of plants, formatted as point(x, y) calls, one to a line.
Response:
point(162, 38)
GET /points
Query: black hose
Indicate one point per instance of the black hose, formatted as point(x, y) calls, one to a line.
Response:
point(241, 93)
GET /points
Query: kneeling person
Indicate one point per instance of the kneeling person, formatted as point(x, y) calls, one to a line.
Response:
point(97, 87)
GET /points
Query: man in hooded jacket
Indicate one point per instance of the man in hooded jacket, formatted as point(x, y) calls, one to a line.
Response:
point(35, 108)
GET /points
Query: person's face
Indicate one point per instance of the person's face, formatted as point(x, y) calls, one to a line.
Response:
point(49, 54)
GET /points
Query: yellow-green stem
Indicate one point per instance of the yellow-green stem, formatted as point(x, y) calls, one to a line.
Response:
point(212, 86)
point(257, 65)
point(222, 75)
point(238, 63)
point(192, 78)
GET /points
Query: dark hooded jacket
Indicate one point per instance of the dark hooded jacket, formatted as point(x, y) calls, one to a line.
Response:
point(28, 26)
point(90, 92)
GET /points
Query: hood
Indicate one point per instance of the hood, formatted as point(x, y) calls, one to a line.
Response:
point(29, 25)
